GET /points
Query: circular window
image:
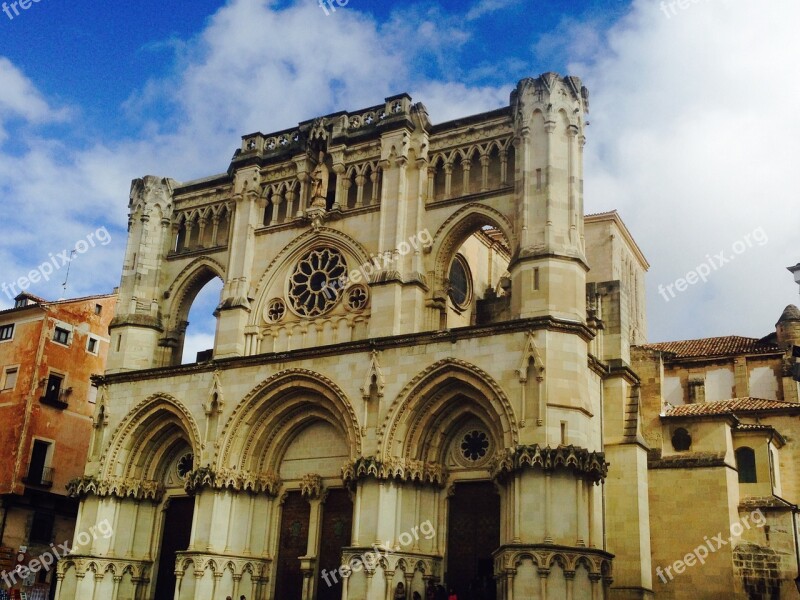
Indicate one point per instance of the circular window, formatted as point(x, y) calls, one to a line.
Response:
point(276, 309)
point(474, 445)
point(460, 282)
point(681, 440)
point(315, 284)
point(185, 465)
point(357, 298)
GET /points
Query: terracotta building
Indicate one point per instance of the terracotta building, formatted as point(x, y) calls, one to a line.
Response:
point(48, 352)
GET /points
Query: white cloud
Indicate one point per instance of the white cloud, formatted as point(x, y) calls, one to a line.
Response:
point(694, 138)
point(253, 67)
point(486, 7)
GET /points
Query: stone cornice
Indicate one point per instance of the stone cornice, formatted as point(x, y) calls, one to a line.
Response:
point(121, 487)
point(582, 462)
point(399, 469)
point(366, 346)
point(235, 481)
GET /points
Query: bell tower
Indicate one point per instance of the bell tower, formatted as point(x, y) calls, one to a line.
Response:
point(549, 273)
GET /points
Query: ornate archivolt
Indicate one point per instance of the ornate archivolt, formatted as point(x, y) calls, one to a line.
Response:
point(425, 404)
point(160, 417)
point(458, 227)
point(266, 420)
point(292, 252)
point(187, 284)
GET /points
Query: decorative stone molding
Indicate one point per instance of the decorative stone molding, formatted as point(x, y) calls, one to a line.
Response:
point(236, 481)
point(391, 561)
point(217, 564)
point(401, 469)
point(122, 487)
point(590, 465)
point(597, 562)
point(83, 564)
point(311, 486)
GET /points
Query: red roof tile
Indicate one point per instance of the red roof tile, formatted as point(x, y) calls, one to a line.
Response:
point(715, 346)
point(727, 407)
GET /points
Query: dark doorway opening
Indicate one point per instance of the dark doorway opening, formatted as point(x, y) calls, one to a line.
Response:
point(473, 534)
point(337, 525)
point(177, 533)
point(293, 544)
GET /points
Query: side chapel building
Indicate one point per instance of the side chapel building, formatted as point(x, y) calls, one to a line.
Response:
point(419, 331)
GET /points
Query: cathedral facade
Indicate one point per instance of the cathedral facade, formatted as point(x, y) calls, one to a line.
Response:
point(420, 374)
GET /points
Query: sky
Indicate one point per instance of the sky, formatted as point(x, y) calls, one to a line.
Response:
point(694, 132)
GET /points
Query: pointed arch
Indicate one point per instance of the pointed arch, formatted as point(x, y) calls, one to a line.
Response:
point(143, 442)
point(459, 226)
point(188, 283)
point(292, 252)
point(265, 421)
point(440, 396)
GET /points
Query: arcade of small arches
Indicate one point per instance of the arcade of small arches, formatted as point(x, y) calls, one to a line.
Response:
point(458, 294)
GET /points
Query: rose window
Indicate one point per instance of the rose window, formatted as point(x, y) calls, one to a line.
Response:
point(315, 284)
point(357, 298)
point(474, 445)
point(185, 465)
point(276, 309)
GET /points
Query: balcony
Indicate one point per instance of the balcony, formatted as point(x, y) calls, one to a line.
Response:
point(57, 398)
point(42, 477)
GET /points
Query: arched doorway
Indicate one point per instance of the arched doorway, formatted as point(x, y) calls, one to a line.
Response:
point(473, 535)
point(175, 538)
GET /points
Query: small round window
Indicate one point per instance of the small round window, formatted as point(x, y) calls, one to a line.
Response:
point(460, 282)
point(185, 465)
point(474, 445)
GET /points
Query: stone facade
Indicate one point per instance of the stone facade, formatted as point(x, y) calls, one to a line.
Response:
point(411, 366)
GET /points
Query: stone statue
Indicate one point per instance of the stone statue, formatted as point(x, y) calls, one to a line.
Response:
point(319, 183)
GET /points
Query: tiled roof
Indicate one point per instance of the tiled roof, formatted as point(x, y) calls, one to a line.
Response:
point(727, 407)
point(715, 346)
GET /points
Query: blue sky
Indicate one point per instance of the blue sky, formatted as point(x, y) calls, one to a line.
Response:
point(694, 135)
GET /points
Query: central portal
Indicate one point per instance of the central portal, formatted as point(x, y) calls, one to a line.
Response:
point(473, 534)
point(337, 523)
point(292, 545)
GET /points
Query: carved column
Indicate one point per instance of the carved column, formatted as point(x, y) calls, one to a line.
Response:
point(485, 173)
point(276, 200)
point(361, 180)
